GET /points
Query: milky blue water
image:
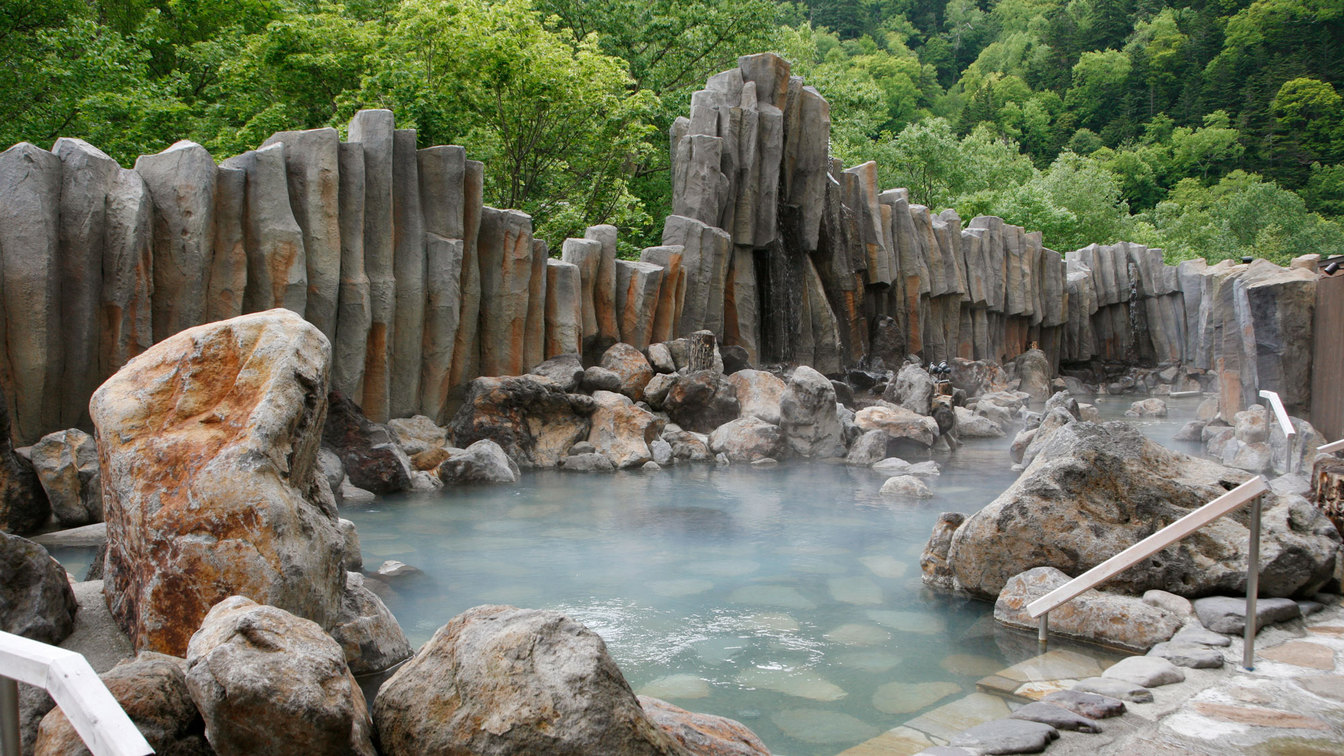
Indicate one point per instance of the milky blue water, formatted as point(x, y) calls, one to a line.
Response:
point(787, 598)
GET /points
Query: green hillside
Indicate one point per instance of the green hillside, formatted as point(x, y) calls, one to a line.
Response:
point(1211, 128)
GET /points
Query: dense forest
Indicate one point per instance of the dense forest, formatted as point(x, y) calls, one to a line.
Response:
point(1210, 128)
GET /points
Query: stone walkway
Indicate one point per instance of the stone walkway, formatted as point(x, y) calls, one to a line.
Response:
point(1291, 703)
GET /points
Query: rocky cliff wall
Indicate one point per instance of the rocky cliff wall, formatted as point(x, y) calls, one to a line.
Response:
point(773, 245)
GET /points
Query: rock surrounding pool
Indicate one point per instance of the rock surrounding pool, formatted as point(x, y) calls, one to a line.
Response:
point(788, 598)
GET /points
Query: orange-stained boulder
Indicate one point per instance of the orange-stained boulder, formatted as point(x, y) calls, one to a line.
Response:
point(207, 444)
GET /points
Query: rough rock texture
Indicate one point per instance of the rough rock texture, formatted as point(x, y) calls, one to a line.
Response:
point(1106, 618)
point(621, 430)
point(912, 389)
point(701, 401)
point(1148, 671)
point(181, 180)
point(152, 689)
point(1033, 369)
point(747, 439)
point(266, 681)
point(758, 393)
point(897, 423)
point(808, 417)
point(498, 680)
point(1125, 488)
point(369, 635)
point(630, 366)
point(23, 502)
point(366, 449)
point(482, 462)
point(933, 561)
point(35, 598)
point(208, 446)
point(67, 464)
point(533, 420)
point(564, 369)
point(1227, 614)
point(906, 486)
point(703, 734)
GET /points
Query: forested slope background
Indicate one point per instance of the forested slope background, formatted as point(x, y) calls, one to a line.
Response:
point(1211, 128)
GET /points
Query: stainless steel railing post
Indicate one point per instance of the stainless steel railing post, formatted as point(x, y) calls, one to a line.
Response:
point(9, 716)
point(1252, 587)
point(1043, 628)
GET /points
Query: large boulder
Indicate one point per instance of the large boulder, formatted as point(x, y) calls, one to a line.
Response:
point(269, 682)
point(701, 401)
point(35, 598)
point(622, 431)
point(912, 389)
point(208, 446)
point(152, 690)
point(630, 366)
point(498, 680)
point(371, 458)
point(23, 503)
point(533, 419)
point(747, 439)
point(1033, 370)
point(808, 415)
point(1094, 490)
point(897, 423)
point(1108, 618)
point(758, 393)
point(67, 464)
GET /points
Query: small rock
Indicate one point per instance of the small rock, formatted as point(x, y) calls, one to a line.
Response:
point(67, 464)
point(868, 449)
point(352, 494)
point(564, 369)
point(1006, 736)
point(1056, 716)
point(907, 486)
point(1090, 705)
point(354, 557)
point(660, 358)
point(765, 462)
point(1111, 688)
point(1191, 655)
point(1148, 671)
point(600, 379)
point(630, 367)
point(1152, 407)
point(1224, 614)
point(651, 466)
point(369, 635)
point(703, 734)
point(661, 451)
point(1191, 431)
point(586, 463)
point(582, 447)
point(392, 569)
point(1177, 605)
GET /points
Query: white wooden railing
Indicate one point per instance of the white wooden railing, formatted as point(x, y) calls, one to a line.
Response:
point(1249, 491)
point(1285, 425)
point(72, 683)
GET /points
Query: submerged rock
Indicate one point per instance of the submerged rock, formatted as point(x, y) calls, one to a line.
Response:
point(500, 680)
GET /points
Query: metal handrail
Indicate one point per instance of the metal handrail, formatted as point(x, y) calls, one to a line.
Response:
point(1249, 491)
point(1285, 424)
point(1331, 447)
point(72, 683)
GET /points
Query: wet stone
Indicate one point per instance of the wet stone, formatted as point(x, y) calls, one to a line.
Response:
point(1326, 686)
point(1056, 716)
point(1225, 614)
point(907, 698)
point(1200, 635)
point(1148, 671)
point(1301, 654)
point(819, 726)
point(858, 635)
point(800, 683)
point(1192, 655)
point(1090, 705)
point(1006, 736)
point(1112, 688)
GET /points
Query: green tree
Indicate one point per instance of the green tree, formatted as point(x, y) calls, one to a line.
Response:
point(1309, 116)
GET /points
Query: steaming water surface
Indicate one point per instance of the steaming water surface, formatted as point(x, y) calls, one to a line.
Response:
point(787, 598)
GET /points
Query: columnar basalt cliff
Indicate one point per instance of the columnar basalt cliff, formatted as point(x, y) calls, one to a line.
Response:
point(774, 246)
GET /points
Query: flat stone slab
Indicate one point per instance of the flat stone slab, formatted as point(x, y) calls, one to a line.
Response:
point(1053, 665)
point(1202, 636)
point(1056, 716)
point(1302, 654)
point(1191, 655)
point(83, 536)
point(1106, 686)
point(1260, 717)
point(1148, 671)
point(947, 751)
point(1225, 614)
point(1006, 736)
point(1325, 686)
point(1090, 705)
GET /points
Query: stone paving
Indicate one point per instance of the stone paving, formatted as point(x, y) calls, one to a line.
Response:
point(1292, 702)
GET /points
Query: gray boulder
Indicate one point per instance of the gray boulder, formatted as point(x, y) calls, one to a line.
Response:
point(587, 462)
point(906, 487)
point(747, 439)
point(499, 680)
point(269, 682)
point(1192, 655)
point(1106, 618)
point(564, 369)
point(369, 635)
point(759, 393)
point(1123, 487)
point(1148, 671)
point(808, 417)
point(867, 449)
point(912, 389)
point(1225, 614)
point(597, 378)
point(482, 462)
point(35, 598)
